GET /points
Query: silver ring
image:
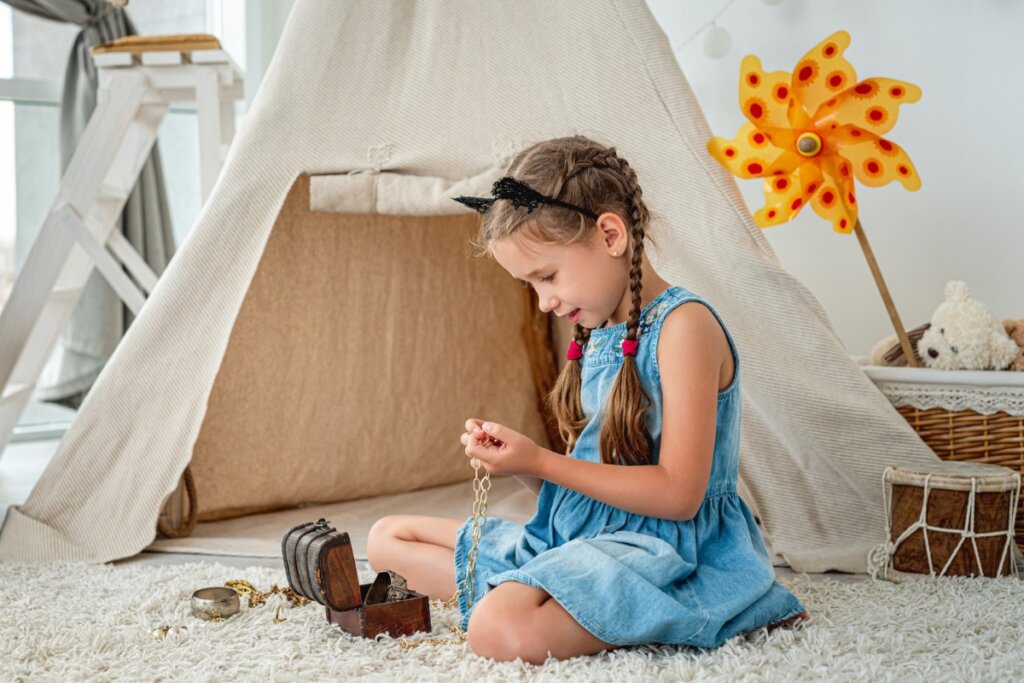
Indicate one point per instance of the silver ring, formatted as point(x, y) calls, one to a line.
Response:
point(215, 603)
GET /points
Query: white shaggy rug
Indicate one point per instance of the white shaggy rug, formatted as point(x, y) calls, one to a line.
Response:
point(71, 622)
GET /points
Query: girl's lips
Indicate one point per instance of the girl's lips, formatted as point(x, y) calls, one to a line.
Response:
point(575, 315)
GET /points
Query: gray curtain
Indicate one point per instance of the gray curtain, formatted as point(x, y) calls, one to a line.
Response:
point(100, 318)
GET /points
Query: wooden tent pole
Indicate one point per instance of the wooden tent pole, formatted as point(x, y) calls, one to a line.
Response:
point(908, 350)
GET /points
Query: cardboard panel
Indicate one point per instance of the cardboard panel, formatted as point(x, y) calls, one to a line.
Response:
point(362, 346)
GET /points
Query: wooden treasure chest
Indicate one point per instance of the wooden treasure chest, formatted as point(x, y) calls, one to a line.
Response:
point(320, 566)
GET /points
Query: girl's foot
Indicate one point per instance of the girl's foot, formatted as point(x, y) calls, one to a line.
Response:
point(789, 622)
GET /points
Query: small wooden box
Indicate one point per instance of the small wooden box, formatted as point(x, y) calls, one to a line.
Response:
point(321, 566)
point(399, 618)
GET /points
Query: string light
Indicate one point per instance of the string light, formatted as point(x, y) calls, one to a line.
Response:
point(716, 41)
point(713, 47)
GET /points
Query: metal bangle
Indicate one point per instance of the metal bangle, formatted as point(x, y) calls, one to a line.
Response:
point(215, 603)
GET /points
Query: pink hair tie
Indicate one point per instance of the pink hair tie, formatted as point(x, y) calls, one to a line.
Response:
point(575, 351)
point(629, 347)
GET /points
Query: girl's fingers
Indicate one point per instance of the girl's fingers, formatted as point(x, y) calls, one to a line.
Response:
point(486, 439)
point(483, 453)
point(473, 438)
point(481, 437)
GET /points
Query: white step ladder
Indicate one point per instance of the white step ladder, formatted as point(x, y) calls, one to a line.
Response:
point(135, 90)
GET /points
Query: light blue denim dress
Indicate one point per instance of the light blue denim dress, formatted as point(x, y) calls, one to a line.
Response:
point(626, 577)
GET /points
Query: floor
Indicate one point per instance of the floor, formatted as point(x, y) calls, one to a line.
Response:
point(22, 463)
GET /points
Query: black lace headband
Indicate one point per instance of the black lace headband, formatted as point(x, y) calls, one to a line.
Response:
point(520, 194)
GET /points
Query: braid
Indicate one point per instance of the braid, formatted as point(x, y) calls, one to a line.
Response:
point(591, 158)
point(637, 238)
point(624, 438)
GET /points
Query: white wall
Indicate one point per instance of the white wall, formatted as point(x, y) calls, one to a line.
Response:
point(964, 136)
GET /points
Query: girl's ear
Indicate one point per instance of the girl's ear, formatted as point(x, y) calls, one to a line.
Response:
point(613, 232)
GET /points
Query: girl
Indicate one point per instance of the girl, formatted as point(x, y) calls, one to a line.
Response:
point(640, 535)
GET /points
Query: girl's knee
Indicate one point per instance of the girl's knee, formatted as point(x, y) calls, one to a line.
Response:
point(504, 637)
point(489, 636)
point(382, 534)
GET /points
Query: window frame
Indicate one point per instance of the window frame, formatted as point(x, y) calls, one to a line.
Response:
point(49, 92)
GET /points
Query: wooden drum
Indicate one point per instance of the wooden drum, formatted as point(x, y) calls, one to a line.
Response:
point(949, 519)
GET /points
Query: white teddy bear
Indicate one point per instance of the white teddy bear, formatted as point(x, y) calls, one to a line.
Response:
point(962, 335)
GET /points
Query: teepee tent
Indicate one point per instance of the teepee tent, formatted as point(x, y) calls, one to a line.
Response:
point(321, 334)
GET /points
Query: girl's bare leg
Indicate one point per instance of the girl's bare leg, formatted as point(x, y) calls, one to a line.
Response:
point(514, 620)
point(420, 548)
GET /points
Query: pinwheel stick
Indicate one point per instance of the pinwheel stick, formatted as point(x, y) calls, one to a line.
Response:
point(908, 351)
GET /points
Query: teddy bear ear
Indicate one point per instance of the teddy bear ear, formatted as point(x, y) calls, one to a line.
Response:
point(956, 290)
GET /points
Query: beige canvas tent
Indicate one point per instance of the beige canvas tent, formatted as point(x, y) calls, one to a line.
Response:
point(321, 335)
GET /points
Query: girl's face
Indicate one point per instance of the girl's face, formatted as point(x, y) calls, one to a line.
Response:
point(582, 282)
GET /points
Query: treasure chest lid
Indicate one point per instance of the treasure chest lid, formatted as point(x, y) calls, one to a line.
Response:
point(338, 577)
point(294, 558)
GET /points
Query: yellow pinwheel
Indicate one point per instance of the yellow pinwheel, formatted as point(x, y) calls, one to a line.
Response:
point(810, 133)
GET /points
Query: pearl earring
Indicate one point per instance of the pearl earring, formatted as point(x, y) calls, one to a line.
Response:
point(615, 253)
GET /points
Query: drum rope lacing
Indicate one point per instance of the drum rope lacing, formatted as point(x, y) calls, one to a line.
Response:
point(880, 557)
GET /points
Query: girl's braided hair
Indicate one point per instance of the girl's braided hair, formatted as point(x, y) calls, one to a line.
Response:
point(585, 173)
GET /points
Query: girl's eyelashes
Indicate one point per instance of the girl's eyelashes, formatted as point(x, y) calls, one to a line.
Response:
point(546, 278)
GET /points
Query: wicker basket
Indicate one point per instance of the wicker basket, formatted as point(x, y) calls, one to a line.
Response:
point(962, 415)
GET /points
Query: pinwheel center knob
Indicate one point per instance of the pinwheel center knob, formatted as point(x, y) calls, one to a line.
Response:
point(808, 144)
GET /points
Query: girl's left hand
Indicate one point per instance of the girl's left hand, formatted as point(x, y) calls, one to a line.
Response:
point(517, 454)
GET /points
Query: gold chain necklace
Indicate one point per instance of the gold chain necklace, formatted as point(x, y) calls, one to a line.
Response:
point(258, 598)
point(481, 485)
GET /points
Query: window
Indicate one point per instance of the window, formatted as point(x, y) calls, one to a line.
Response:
point(33, 57)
